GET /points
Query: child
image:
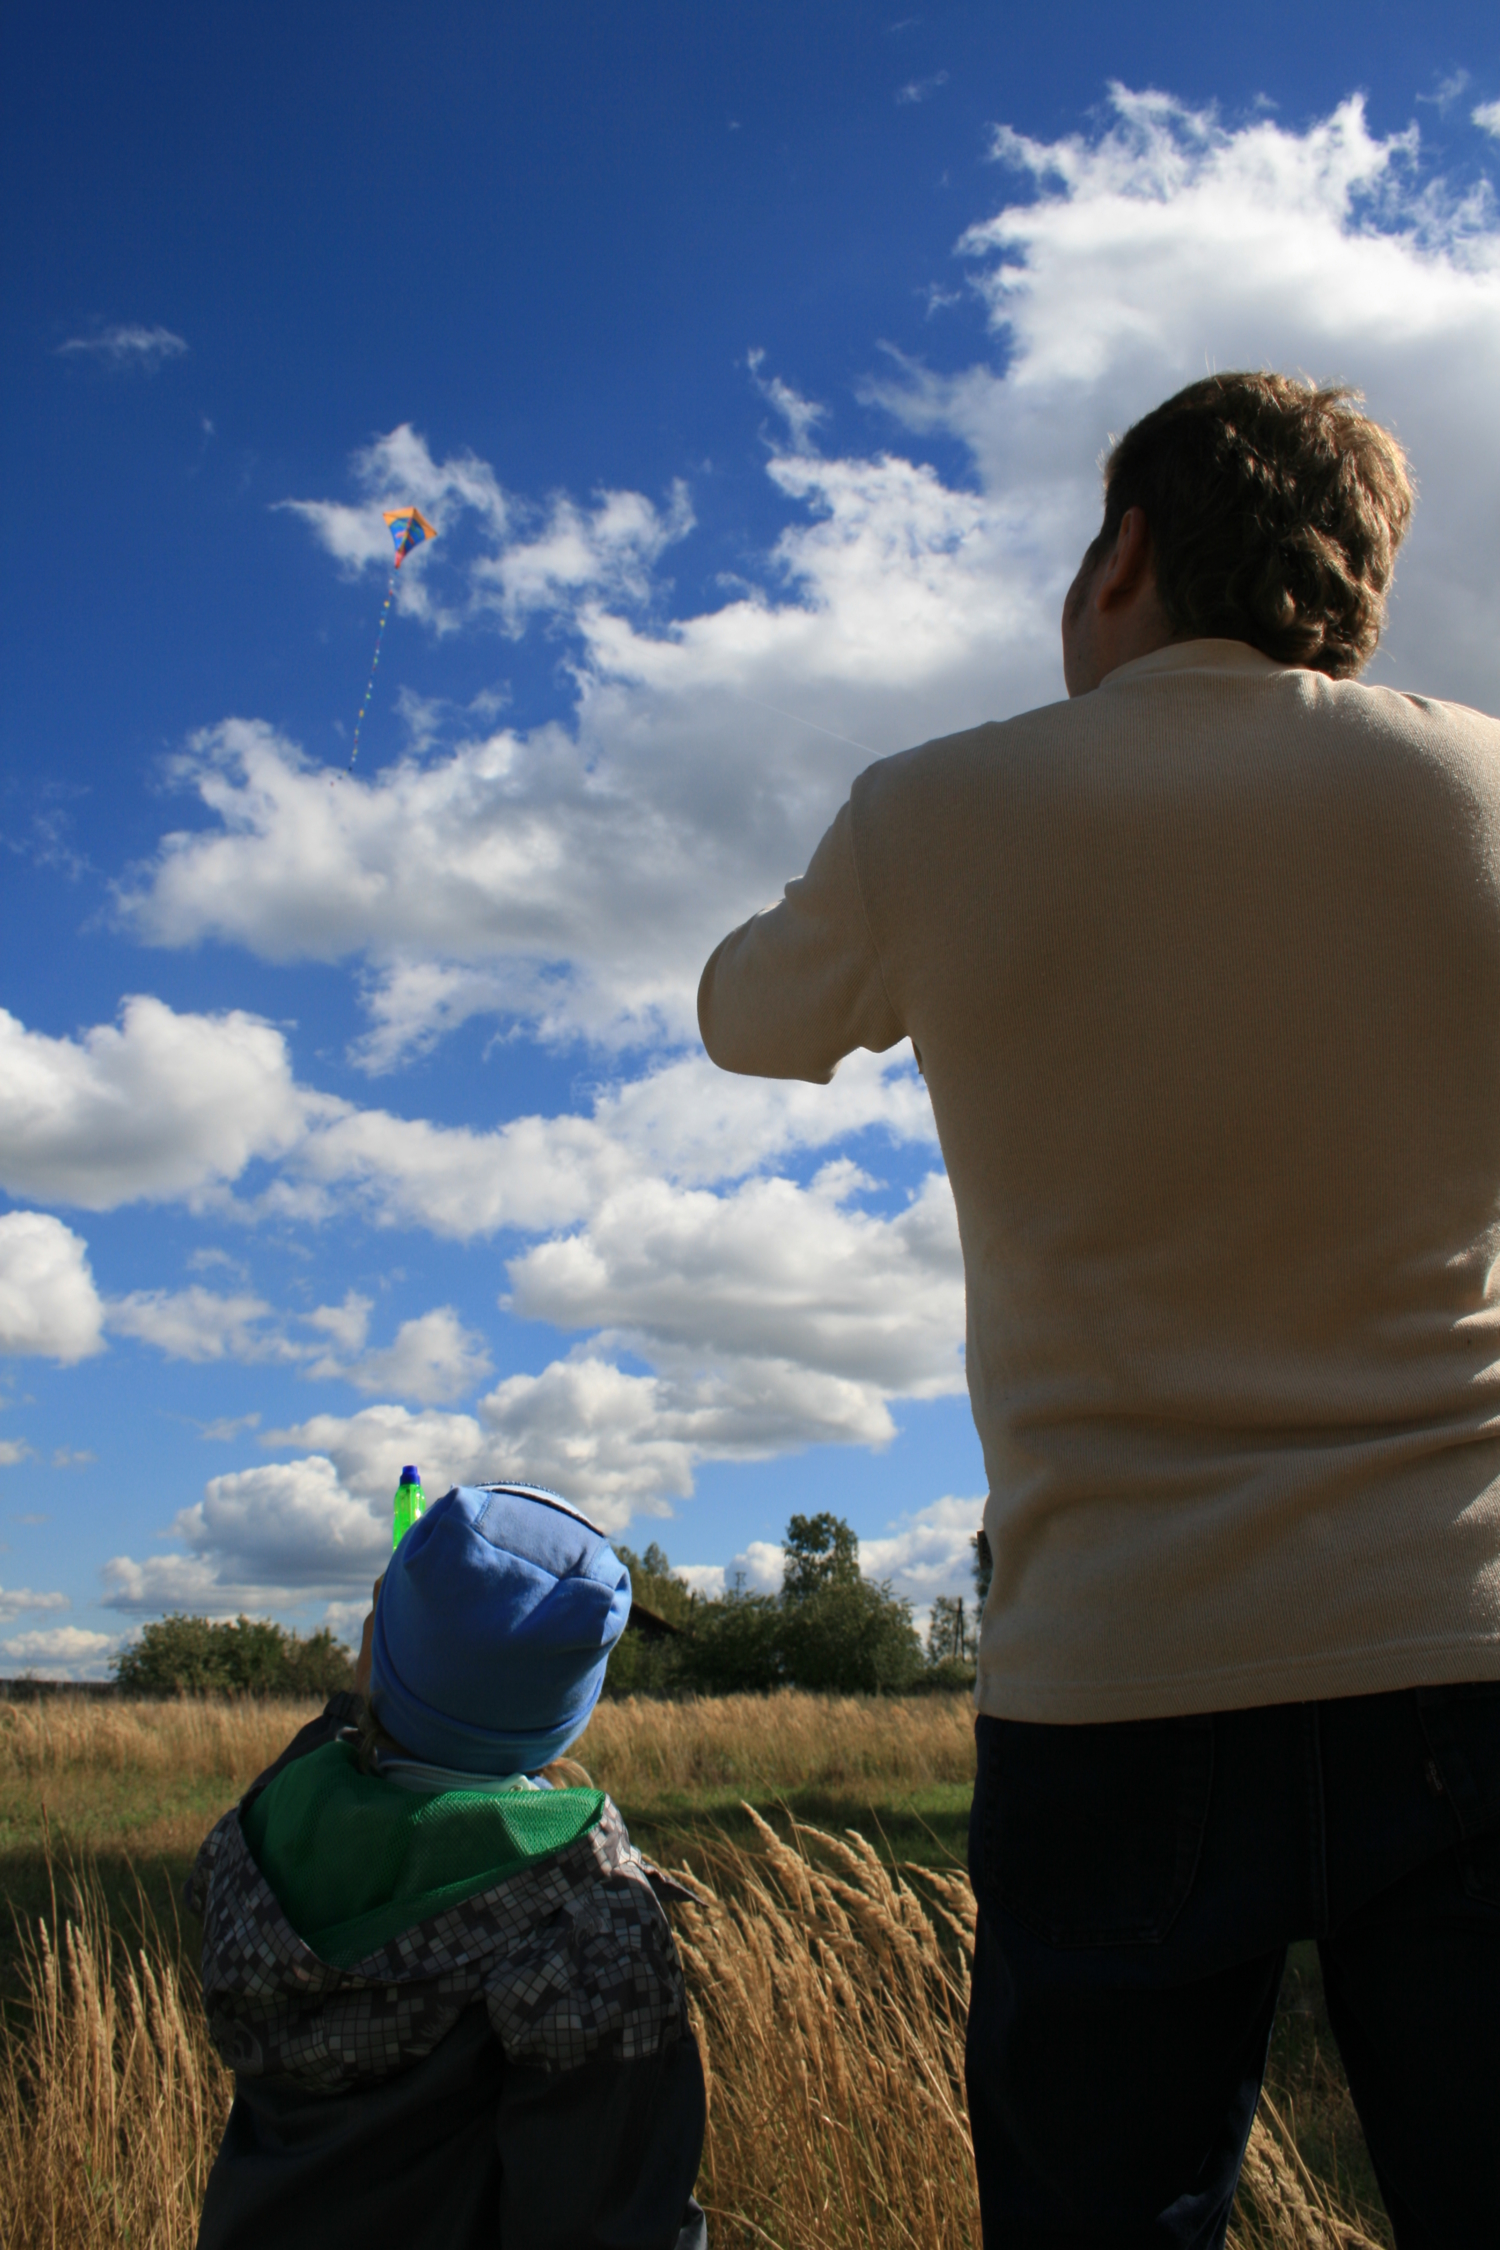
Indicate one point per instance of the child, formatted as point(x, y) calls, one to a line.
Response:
point(447, 1990)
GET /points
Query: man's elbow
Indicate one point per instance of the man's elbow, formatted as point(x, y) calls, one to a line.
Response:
point(743, 1038)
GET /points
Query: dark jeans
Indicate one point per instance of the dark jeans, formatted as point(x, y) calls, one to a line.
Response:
point(1138, 1885)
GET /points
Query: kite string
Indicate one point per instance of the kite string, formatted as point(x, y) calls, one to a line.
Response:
point(374, 661)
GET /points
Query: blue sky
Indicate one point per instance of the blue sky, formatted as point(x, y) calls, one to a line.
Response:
point(754, 364)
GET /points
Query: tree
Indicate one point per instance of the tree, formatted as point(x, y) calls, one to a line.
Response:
point(180, 1655)
point(949, 1635)
point(644, 1663)
point(820, 1551)
point(652, 1584)
point(829, 1629)
point(840, 1633)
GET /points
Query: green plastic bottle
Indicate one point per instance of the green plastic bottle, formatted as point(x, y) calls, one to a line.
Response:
point(410, 1502)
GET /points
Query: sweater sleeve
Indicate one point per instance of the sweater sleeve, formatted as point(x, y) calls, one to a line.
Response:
point(798, 987)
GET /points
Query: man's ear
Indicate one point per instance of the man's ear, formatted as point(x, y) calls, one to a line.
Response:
point(1129, 564)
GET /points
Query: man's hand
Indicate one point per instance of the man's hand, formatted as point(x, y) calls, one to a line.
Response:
point(366, 1642)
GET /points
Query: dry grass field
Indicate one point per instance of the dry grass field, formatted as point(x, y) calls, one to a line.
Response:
point(827, 1975)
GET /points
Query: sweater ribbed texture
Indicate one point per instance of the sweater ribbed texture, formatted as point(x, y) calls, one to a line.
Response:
point(1203, 973)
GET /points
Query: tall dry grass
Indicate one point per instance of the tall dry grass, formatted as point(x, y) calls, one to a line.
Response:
point(829, 1997)
point(111, 2099)
point(640, 1751)
point(198, 1738)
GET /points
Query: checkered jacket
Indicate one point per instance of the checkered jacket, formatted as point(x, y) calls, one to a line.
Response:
point(573, 1958)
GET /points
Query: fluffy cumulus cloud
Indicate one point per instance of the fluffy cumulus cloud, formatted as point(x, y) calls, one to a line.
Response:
point(772, 1271)
point(431, 1357)
point(21, 1601)
point(197, 1324)
point(929, 1552)
point(255, 1536)
point(49, 1306)
point(60, 1651)
point(181, 1106)
point(159, 1106)
point(1170, 241)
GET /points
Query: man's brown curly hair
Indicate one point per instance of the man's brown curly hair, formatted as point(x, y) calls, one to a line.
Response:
point(1275, 511)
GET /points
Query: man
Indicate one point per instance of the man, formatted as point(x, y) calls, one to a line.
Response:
point(1202, 968)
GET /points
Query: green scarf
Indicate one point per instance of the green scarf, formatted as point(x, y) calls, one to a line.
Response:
point(354, 1861)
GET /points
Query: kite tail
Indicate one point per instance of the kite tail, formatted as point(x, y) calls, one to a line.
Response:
point(374, 662)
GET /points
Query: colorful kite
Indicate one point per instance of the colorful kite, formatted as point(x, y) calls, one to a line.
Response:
point(408, 527)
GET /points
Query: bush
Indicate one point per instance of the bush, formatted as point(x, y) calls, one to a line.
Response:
point(181, 1655)
point(851, 1637)
point(735, 1647)
point(829, 1630)
point(640, 1665)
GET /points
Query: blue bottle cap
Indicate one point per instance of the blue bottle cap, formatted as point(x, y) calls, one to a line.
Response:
point(411, 1476)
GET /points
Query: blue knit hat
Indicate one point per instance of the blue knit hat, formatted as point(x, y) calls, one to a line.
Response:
point(492, 1631)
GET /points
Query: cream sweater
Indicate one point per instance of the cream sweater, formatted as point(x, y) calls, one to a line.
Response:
point(1203, 973)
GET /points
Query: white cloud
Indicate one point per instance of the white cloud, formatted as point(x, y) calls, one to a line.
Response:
point(398, 470)
point(538, 558)
point(161, 1106)
point(195, 1324)
point(368, 1448)
point(66, 1651)
point(1487, 117)
point(18, 1601)
point(756, 1569)
point(176, 1582)
point(928, 1553)
point(256, 1535)
point(606, 553)
point(346, 1620)
point(128, 344)
point(433, 1358)
point(1168, 241)
point(801, 415)
point(13, 1450)
point(227, 1427)
point(179, 1106)
point(49, 1306)
point(575, 882)
point(771, 1271)
point(347, 1325)
point(706, 1579)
